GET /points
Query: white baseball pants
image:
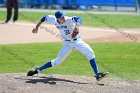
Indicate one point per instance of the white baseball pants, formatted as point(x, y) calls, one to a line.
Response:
point(79, 45)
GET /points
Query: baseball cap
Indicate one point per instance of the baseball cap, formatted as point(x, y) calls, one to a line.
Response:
point(59, 14)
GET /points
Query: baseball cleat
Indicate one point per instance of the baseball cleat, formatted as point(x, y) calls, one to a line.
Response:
point(101, 76)
point(33, 71)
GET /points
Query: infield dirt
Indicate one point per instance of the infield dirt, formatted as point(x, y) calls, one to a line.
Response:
point(22, 33)
point(43, 83)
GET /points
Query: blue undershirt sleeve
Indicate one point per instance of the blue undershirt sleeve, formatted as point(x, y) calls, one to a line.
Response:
point(77, 19)
point(43, 18)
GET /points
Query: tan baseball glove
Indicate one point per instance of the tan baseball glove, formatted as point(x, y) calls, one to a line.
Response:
point(75, 32)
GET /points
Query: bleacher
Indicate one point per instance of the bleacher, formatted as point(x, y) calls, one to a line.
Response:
point(130, 3)
point(77, 3)
point(2, 2)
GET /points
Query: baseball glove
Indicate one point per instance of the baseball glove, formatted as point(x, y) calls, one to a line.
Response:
point(75, 32)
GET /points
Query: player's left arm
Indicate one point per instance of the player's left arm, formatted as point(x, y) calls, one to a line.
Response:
point(77, 22)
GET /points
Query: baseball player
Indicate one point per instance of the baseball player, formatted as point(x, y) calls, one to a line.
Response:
point(69, 29)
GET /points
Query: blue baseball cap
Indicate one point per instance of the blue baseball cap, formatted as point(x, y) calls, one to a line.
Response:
point(59, 14)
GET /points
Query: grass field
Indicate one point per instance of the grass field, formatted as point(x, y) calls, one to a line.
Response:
point(120, 59)
point(96, 20)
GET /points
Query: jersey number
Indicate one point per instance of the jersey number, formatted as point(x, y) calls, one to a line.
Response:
point(67, 32)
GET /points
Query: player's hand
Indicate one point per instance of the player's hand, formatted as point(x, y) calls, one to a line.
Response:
point(75, 32)
point(35, 30)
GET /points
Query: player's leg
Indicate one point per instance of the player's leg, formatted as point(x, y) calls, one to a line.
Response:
point(66, 49)
point(61, 56)
point(9, 14)
point(86, 50)
point(15, 4)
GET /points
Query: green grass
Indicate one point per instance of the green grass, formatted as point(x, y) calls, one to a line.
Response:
point(96, 20)
point(120, 59)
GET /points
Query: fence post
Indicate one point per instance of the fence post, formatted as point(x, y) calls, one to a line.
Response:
point(116, 6)
point(137, 5)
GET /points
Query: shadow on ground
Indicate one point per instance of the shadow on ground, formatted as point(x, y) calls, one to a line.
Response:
point(50, 80)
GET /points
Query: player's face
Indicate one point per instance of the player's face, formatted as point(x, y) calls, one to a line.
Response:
point(61, 20)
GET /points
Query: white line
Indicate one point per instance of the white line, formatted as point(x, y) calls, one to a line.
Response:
point(97, 29)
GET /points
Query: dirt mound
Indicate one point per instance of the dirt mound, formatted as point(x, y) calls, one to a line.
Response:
point(20, 83)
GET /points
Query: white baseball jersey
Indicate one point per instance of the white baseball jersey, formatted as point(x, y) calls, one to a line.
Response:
point(66, 28)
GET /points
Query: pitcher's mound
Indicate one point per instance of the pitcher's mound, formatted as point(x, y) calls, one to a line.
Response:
point(20, 83)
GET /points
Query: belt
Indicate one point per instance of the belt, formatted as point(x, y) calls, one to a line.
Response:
point(72, 39)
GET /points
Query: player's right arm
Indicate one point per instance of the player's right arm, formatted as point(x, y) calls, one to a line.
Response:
point(35, 30)
point(48, 18)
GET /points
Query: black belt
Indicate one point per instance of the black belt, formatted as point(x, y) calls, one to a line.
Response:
point(72, 39)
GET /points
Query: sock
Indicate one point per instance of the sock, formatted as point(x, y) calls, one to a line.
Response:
point(94, 66)
point(45, 66)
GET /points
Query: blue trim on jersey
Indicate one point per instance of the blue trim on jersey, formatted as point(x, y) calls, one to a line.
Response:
point(43, 19)
point(77, 19)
